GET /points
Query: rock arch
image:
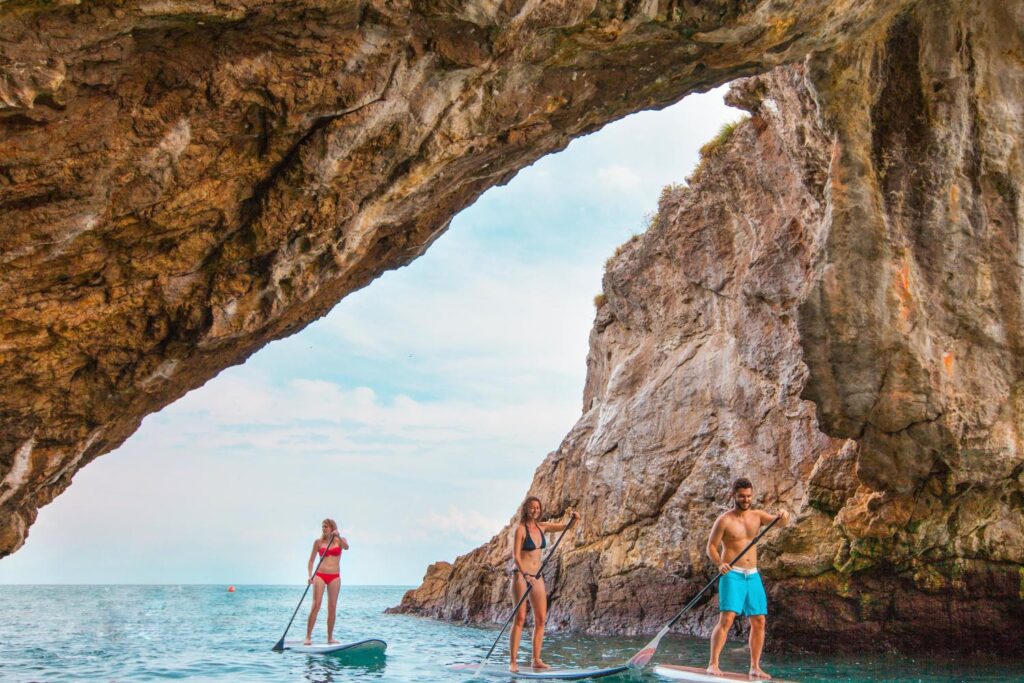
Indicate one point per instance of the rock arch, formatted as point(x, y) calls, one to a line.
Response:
point(182, 183)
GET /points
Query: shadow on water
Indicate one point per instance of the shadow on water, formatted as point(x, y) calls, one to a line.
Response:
point(325, 668)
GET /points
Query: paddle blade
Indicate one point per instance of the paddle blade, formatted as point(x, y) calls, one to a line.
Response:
point(472, 669)
point(279, 647)
point(642, 658)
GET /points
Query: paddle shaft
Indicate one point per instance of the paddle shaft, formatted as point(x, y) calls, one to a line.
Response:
point(515, 609)
point(280, 644)
point(710, 583)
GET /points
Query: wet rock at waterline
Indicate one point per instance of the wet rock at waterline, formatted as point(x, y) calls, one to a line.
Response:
point(831, 307)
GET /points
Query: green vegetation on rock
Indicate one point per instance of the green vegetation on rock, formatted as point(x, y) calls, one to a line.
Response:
point(715, 145)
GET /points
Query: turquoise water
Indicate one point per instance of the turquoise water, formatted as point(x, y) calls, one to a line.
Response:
point(146, 633)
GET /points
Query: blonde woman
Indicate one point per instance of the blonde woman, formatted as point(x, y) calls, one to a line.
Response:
point(527, 550)
point(328, 545)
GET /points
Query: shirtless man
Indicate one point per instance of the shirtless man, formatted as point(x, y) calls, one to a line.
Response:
point(740, 590)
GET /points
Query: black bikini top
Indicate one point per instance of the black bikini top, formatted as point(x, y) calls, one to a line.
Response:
point(528, 543)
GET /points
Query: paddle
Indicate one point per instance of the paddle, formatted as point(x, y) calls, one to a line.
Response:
point(279, 646)
point(572, 520)
point(641, 658)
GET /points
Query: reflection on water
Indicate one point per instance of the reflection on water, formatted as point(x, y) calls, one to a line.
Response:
point(328, 668)
point(134, 633)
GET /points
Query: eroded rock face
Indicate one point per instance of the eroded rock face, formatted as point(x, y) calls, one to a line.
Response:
point(833, 309)
point(695, 376)
point(182, 182)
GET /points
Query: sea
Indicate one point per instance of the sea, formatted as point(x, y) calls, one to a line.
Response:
point(205, 633)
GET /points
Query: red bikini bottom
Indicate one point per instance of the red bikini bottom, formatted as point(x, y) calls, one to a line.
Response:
point(327, 578)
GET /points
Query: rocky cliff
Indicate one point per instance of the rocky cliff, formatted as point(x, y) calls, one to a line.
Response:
point(182, 181)
point(832, 307)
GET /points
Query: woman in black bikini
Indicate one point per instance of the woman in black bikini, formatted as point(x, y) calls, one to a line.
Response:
point(527, 547)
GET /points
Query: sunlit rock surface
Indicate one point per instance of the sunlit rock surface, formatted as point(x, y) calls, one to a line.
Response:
point(832, 308)
point(183, 181)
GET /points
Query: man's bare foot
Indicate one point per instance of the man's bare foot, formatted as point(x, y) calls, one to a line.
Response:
point(760, 674)
point(332, 641)
point(514, 667)
point(307, 641)
point(538, 664)
point(714, 670)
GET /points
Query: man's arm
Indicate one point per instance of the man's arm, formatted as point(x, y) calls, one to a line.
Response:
point(767, 517)
point(715, 540)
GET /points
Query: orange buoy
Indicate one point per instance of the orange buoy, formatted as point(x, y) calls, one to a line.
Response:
point(231, 589)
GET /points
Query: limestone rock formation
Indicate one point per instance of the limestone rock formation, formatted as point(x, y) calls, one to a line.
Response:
point(833, 308)
point(183, 181)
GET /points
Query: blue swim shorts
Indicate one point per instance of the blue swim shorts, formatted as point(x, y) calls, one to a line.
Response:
point(742, 593)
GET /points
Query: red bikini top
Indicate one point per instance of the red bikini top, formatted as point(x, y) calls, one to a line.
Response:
point(336, 550)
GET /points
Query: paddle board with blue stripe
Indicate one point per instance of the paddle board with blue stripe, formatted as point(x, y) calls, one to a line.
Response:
point(529, 673)
point(369, 647)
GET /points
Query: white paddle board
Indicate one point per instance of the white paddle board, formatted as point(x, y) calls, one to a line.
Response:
point(697, 675)
point(529, 673)
point(362, 647)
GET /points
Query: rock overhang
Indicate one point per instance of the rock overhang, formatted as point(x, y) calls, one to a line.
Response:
point(182, 183)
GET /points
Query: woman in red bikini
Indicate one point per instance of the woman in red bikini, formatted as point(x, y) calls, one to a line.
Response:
point(329, 544)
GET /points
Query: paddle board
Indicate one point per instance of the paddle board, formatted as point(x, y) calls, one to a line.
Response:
point(362, 647)
point(697, 675)
point(528, 673)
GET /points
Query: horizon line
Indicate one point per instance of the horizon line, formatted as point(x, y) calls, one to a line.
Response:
point(223, 583)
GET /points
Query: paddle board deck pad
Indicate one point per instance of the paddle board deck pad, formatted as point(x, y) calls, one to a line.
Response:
point(698, 675)
point(362, 647)
point(529, 673)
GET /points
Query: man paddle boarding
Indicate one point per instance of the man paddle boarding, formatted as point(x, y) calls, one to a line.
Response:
point(329, 544)
point(740, 591)
point(527, 549)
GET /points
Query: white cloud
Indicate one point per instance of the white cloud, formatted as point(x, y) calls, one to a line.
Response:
point(469, 525)
point(619, 177)
point(523, 318)
point(302, 415)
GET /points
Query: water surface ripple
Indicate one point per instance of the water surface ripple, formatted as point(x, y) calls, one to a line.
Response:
point(199, 633)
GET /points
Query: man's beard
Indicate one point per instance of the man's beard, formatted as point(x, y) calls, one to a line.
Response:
point(742, 506)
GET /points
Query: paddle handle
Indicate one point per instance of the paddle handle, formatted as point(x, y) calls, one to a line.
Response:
point(279, 645)
point(572, 520)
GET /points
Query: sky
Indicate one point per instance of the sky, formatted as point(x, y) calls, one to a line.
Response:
point(414, 414)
